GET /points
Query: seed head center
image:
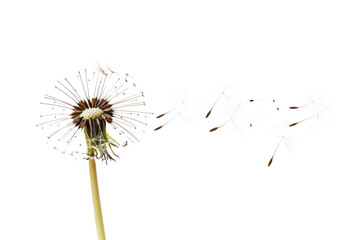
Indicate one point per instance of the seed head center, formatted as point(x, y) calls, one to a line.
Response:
point(91, 113)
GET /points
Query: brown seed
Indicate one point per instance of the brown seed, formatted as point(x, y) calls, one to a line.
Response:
point(89, 103)
point(213, 129)
point(82, 123)
point(102, 103)
point(161, 115)
point(107, 106)
point(78, 108)
point(93, 101)
point(158, 128)
point(270, 161)
point(82, 104)
point(96, 102)
point(208, 114)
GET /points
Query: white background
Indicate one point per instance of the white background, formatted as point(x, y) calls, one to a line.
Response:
point(183, 182)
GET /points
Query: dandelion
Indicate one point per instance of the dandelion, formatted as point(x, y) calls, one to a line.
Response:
point(91, 104)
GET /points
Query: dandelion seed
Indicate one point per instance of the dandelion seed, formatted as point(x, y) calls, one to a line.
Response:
point(213, 129)
point(311, 101)
point(179, 110)
point(232, 118)
point(283, 131)
point(209, 112)
point(256, 100)
point(163, 114)
point(318, 112)
point(296, 123)
point(216, 128)
point(271, 159)
point(297, 107)
point(158, 128)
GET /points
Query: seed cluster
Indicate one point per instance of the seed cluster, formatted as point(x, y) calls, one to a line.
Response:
point(91, 110)
point(91, 113)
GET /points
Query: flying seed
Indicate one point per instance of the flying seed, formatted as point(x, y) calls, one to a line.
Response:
point(158, 128)
point(271, 159)
point(163, 114)
point(208, 114)
point(214, 129)
point(297, 107)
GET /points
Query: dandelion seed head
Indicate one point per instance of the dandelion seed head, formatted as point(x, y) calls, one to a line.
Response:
point(90, 108)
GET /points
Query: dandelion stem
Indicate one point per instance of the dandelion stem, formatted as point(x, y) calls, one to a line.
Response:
point(96, 199)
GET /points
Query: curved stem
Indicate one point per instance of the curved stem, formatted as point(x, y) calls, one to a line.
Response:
point(96, 199)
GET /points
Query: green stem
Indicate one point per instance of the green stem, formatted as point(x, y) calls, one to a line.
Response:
point(96, 199)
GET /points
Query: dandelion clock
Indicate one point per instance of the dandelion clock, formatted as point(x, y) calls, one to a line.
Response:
point(91, 114)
